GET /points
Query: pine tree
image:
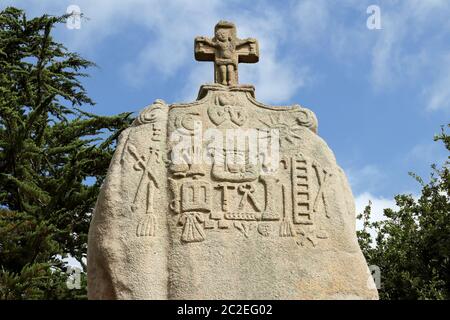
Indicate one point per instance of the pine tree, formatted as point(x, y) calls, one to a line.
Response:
point(53, 158)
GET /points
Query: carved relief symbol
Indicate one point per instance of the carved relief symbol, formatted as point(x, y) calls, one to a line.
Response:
point(156, 113)
point(196, 196)
point(156, 117)
point(303, 203)
point(286, 226)
point(287, 126)
point(307, 234)
point(247, 190)
point(301, 196)
point(264, 229)
point(191, 202)
point(322, 176)
point(233, 166)
point(225, 109)
point(147, 183)
point(302, 173)
point(225, 197)
point(311, 234)
point(156, 132)
point(270, 186)
point(243, 227)
point(186, 156)
point(225, 187)
point(192, 230)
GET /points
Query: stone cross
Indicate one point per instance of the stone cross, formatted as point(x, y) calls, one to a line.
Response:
point(226, 50)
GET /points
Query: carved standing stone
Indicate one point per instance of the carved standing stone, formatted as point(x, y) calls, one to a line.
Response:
point(186, 212)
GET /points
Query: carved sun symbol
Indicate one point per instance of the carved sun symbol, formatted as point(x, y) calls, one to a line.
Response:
point(287, 127)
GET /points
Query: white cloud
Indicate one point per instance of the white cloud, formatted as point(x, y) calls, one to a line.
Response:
point(428, 153)
point(369, 178)
point(438, 94)
point(377, 208)
point(202, 73)
point(312, 18)
point(409, 48)
point(378, 205)
point(385, 60)
point(171, 27)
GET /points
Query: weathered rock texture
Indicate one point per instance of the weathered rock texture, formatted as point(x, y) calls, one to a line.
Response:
point(169, 227)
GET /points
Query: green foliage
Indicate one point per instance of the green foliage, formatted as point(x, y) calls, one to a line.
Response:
point(412, 246)
point(48, 148)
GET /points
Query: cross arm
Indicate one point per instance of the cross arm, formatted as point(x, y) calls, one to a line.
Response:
point(203, 49)
point(248, 50)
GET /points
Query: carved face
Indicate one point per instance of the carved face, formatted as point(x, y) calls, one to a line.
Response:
point(221, 35)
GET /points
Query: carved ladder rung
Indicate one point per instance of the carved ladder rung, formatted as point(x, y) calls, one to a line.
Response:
point(301, 193)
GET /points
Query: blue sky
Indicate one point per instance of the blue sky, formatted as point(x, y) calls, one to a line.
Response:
point(379, 95)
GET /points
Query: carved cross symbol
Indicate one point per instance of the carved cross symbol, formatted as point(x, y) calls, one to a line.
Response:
point(226, 50)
